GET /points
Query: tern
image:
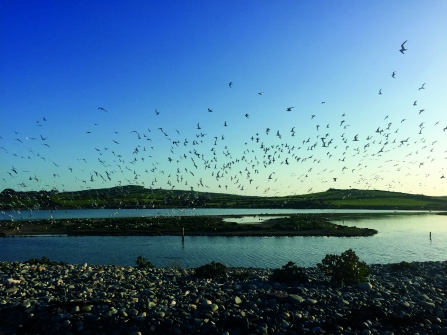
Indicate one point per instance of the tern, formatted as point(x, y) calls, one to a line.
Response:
point(402, 48)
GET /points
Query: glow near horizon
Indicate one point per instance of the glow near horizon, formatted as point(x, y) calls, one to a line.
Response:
point(63, 61)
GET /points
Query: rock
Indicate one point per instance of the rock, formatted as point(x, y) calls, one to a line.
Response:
point(11, 282)
point(87, 308)
point(426, 304)
point(311, 301)
point(365, 286)
point(210, 307)
point(267, 287)
point(75, 310)
point(296, 299)
point(277, 296)
point(13, 289)
point(237, 300)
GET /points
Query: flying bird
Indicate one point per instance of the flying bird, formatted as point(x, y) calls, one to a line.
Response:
point(402, 48)
point(230, 84)
point(289, 109)
point(103, 109)
point(422, 87)
point(380, 91)
point(261, 93)
point(394, 74)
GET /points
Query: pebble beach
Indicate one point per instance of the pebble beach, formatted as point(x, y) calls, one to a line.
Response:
point(106, 299)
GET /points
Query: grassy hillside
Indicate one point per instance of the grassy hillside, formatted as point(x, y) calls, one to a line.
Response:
point(139, 197)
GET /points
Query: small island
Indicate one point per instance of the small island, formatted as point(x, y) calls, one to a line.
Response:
point(291, 225)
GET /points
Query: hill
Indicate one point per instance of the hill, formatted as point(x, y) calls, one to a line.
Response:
point(139, 197)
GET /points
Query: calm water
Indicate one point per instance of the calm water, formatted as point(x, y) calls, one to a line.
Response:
point(124, 213)
point(401, 237)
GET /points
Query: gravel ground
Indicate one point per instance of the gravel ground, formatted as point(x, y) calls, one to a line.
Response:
point(107, 299)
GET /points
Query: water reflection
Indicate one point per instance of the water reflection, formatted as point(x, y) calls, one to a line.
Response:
point(400, 238)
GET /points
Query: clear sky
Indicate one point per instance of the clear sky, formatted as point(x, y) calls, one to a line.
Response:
point(60, 62)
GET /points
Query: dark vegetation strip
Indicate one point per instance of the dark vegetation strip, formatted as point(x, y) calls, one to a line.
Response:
point(295, 225)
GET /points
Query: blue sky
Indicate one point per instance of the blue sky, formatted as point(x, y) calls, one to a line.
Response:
point(63, 60)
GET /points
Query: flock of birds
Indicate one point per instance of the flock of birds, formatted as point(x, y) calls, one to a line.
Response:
point(266, 162)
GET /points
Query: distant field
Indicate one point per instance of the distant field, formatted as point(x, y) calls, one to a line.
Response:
point(139, 197)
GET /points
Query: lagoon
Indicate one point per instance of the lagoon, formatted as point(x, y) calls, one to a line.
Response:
point(127, 213)
point(401, 237)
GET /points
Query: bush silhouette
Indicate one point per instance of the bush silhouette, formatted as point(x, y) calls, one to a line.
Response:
point(144, 263)
point(346, 268)
point(289, 273)
point(211, 270)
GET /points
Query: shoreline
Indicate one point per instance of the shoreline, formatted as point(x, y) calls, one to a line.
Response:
point(90, 299)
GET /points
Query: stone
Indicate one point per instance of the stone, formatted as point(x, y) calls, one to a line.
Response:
point(75, 310)
point(237, 300)
point(311, 301)
point(296, 299)
point(365, 286)
point(267, 287)
point(278, 296)
point(87, 308)
point(10, 282)
point(426, 304)
point(209, 307)
point(13, 289)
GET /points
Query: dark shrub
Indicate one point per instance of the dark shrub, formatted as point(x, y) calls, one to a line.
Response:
point(289, 273)
point(144, 263)
point(44, 261)
point(346, 268)
point(211, 270)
